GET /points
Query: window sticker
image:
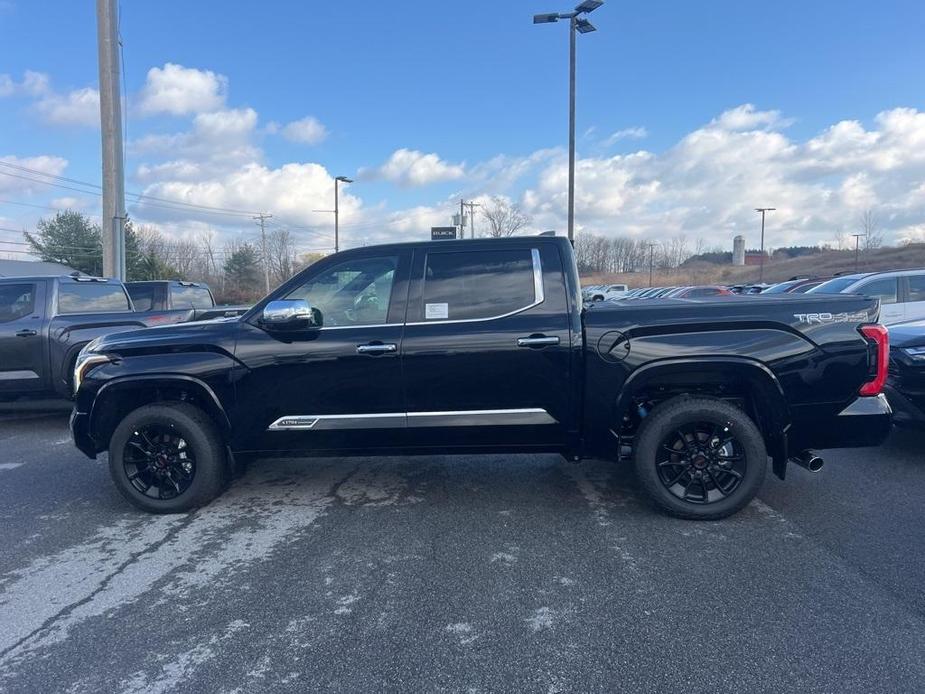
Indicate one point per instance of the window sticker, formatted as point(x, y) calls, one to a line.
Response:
point(436, 311)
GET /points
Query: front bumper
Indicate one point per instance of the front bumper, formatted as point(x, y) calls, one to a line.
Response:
point(80, 432)
point(866, 421)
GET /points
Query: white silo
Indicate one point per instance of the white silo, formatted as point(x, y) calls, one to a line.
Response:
point(738, 250)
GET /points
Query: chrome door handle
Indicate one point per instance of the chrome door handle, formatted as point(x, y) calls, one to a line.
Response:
point(26, 333)
point(536, 341)
point(379, 348)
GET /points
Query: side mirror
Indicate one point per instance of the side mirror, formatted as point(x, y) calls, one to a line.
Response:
point(290, 314)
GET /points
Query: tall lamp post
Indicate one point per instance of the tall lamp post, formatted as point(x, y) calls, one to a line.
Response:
point(339, 179)
point(580, 25)
point(857, 249)
point(763, 211)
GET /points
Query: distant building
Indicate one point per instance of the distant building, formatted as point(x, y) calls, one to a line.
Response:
point(738, 250)
point(754, 258)
point(30, 268)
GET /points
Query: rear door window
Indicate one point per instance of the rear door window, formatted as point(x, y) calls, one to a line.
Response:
point(884, 289)
point(916, 288)
point(92, 297)
point(471, 285)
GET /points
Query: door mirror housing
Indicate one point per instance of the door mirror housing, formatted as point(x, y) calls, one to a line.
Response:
point(290, 314)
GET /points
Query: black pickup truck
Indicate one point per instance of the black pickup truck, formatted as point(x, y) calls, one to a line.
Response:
point(179, 295)
point(46, 321)
point(484, 346)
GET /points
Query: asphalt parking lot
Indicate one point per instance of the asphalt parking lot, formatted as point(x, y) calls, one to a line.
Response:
point(523, 573)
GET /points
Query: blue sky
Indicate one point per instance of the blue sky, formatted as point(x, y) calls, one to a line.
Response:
point(472, 96)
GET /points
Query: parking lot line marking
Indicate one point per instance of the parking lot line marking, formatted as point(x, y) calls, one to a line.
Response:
point(9, 466)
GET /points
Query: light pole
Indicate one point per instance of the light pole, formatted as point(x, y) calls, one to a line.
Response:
point(651, 260)
point(339, 179)
point(578, 24)
point(857, 248)
point(763, 210)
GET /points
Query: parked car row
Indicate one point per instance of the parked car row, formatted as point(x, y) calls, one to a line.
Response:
point(46, 321)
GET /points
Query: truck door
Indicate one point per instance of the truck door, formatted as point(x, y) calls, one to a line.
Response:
point(486, 347)
point(339, 386)
point(23, 345)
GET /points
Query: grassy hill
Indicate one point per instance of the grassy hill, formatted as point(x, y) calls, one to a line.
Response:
point(826, 263)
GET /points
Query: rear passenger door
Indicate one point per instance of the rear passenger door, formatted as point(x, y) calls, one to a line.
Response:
point(486, 349)
point(887, 290)
point(23, 346)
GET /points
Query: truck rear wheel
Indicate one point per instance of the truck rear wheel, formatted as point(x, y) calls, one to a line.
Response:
point(167, 458)
point(699, 458)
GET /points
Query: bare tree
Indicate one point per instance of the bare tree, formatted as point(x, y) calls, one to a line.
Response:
point(281, 254)
point(873, 236)
point(504, 218)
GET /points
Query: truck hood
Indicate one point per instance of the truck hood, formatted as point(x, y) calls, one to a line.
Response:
point(210, 335)
point(911, 334)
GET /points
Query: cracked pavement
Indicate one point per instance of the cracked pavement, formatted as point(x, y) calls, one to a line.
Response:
point(494, 573)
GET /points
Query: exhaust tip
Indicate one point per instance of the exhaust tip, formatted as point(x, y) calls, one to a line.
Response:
point(809, 461)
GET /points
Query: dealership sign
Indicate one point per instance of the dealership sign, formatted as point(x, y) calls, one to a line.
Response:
point(441, 233)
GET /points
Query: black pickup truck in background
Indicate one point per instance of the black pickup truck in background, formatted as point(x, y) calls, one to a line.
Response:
point(484, 346)
point(177, 295)
point(46, 321)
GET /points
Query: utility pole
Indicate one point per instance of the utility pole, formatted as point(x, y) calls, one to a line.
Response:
point(261, 219)
point(857, 249)
point(472, 205)
point(462, 219)
point(651, 259)
point(762, 210)
point(107, 37)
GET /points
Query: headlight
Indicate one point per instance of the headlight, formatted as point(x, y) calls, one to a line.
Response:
point(85, 361)
point(917, 353)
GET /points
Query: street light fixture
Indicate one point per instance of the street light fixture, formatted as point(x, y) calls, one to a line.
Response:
point(577, 25)
point(339, 179)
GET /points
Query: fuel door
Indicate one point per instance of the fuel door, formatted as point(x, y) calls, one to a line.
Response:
point(613, 346)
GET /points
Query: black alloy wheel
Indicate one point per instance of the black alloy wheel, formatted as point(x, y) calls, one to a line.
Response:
point(699, 457)
point(158, 461)
point(168, 457)
point(701, 462)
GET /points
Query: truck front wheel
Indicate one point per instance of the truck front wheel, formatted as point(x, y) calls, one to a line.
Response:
point(699, 458)
point(167, 458)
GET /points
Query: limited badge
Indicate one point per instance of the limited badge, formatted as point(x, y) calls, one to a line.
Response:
point(436, 311)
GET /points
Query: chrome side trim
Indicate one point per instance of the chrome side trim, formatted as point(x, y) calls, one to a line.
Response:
point(18, 375)
point(383, 420)
point(538, 297)
point(399, 420)
point(481, 418)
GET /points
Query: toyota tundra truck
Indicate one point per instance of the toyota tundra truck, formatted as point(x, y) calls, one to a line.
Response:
point(478, 346)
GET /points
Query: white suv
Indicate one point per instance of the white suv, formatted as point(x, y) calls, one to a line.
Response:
point(608, 291)
point(901, 292)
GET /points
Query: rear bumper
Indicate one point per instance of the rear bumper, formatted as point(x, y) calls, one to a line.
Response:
point(80, 432)
point(864, 422)
point(908, 409)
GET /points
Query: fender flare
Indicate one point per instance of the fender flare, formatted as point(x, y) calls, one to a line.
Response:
point(199, 385)
point(774, 414)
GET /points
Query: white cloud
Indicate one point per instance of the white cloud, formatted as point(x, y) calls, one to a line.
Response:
point(707, 185)
point(178, 90)
point(635, 133)
point(77, 107)
point(308, 130)
point(409, 167)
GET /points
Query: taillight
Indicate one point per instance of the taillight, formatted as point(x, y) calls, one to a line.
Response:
point(878, 335)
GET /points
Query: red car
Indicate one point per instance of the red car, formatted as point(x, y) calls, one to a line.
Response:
point(699, 292)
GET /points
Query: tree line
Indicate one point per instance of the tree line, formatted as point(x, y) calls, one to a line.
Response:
point(612, 255)
point(236, 271)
